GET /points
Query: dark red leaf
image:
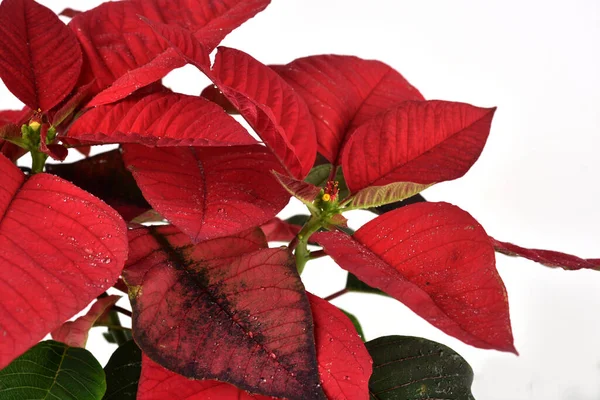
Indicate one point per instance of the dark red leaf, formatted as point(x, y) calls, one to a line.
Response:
point(122, 50)
point(208, 192)
point(548, 258)
point(60, 248)
point(226, 309)
point(106, 177)
point(160, 119)
point(74, 102)
point(343, 92)
point(212, 93)
point(420, 142)
point(277, 230)
point(69, 12)
point(438, 261)
point(345, 365)
point(40, 58)
point(75, 333)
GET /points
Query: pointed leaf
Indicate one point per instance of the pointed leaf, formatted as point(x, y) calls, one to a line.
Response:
point(438, 261)
point(303, 191)
point(353, 284)
point(123, 372)
point(40, 58)
point(421, 142)
point(160, 119)
point(356, 324)
point(106, 177)
point(208, 192)
point(342, 92)
point(60, 248)
point(120, 47)
point(277, 230)
point(53, 370)
point(407, 367)
point(212, 93)
point(344, 363)
point(75, 333)
point(375, 196)
point(549, 258)
point(225, 309)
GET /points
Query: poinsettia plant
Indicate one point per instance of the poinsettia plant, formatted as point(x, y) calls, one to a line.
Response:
point(183, 216)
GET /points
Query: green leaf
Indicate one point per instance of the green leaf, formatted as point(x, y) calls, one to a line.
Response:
point(417, 198)
point(412, 368)
point(356, 324)
point(123, 372)
point(375, 196)
point(53, 370)
point(353, 284)
point(318, 175)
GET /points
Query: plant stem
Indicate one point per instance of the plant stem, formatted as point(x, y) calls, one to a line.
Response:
point(317, 254)
point(38, 161)
point(336, 294)
point(122, 311)
point(302, 253)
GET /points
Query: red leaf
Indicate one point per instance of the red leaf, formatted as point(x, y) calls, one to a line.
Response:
point(208, 192)
point(40, 58)
point(303, 191)
point(212, 93)
point(123, 51)
point(345, 365)
point(69, 12)
point(419, 142)
point(60, 248)
point(160, 119)
point(548, 258)
point(75, 333)
point(342, 92)
point(220, 310)
point(277, 230)
point(438, 261)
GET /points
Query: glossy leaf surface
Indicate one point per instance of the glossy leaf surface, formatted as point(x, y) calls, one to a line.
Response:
point(75, 333)
point(52, 370)
point(414, 368)
point(226, 309)
point(438, 261)
point(40, 58)
point(123, 372)
point(343, 92)
point(60, 248)
point(208, 192)
point(420, 142)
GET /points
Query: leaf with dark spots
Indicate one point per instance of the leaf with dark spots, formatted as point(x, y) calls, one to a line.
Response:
point(75, 333)
point(549, 258)
point(123, 372)
point(106, 177)
point(208, 192)
point(226, 309)
point(414, 368)
point(343, 92)
point(40, 58)
point(344, 363)
point(419, 141)
point(60, 247)
point(438, 261)
point(160, 119)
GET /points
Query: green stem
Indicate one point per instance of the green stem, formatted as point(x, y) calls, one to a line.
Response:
point(38, 161)
point(116, 330)
point(302, 253)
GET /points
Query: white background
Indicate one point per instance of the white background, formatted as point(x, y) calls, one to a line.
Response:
point(536, 183)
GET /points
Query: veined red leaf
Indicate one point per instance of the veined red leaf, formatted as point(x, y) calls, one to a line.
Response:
point(345, 365)
point(208, 192)
point(60, 248)
point(438, 261)
point(225, 309)
point(421, 142)
point(303, 191)
point(343, 92)
point(277, 230)
point(212, 93)
point(122, 50)
point(75, 333)
point(160, 119)
point(105, 176)
point(40, 58)
point(549, 258)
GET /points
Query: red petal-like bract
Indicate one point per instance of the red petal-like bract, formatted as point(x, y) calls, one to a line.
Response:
point(438, 261)
point(225, 309)
point(119, 47)
point(160, 119)
point(60, 248)
point(40, 58)
point(548, 258)
point(342, 92)
point(345, 365)
point(75, 333)
point(208, 192)
point(419, 142)
point(277, 230)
